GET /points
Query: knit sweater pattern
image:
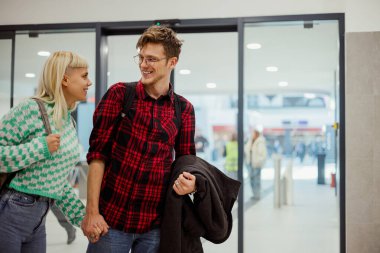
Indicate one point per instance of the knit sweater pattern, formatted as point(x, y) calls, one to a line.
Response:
point(23, 148)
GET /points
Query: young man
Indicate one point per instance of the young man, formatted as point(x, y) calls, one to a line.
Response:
point(129, 166)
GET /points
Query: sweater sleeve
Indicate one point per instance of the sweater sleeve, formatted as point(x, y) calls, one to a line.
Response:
point(17, 150)
point(71, 206)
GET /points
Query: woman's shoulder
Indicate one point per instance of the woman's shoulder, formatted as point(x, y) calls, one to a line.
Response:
point(23, 114)
point(30, 110)
point(24, 107)
point(28, 103)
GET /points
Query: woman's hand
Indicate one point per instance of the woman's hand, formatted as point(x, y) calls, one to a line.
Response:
point(53, 141)
point(94, 226)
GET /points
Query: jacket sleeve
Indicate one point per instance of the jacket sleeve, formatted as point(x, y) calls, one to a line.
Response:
point(209, 207)
point(71, 206)
point(17, 150)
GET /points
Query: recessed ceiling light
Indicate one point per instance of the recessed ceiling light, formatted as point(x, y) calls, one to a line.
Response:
point(272, 69)
point(211, 85)
point(43, 53)
point(30, 75)
point(253, 46)
point(283, 84)
point(185, 71)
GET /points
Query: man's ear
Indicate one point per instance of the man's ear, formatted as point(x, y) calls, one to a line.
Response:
point(173, 62)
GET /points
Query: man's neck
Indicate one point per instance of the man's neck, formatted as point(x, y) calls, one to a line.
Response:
point(158, 89)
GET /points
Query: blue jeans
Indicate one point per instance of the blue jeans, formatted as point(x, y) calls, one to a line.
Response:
point(116, 241)
point(22, 219)
point(255, 180)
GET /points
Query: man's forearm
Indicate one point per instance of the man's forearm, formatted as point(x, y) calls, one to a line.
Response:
point(94, 181)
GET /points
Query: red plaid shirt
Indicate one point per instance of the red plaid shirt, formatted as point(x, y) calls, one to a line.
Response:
point(138, 162)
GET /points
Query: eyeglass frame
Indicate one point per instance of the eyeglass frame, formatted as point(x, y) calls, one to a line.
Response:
point(138, 59)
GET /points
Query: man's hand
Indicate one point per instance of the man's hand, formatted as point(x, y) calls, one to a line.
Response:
point(94, 226)
point(184, 184)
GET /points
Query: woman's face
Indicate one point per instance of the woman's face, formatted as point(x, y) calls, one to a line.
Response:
point(75, 85)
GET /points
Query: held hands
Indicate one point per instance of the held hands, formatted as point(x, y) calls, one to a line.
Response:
point(184, 184)
point(53, 141)
point(94, 226)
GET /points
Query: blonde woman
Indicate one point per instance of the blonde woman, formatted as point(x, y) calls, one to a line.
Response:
point(42, 162)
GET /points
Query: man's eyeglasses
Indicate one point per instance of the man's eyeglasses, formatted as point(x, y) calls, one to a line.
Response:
point(148, 61)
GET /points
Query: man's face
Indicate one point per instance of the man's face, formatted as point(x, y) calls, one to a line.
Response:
point(155, 67)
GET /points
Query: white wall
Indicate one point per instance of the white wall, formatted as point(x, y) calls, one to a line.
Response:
point(68, 11)
point(360, 15)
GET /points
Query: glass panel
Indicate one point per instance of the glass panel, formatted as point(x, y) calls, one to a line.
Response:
point(5, 75)
point(28, 61)
point(290, 93)
point(206, 75)
point(121, 66)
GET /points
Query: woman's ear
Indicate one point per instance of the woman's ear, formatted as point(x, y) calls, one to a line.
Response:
point(65, 80)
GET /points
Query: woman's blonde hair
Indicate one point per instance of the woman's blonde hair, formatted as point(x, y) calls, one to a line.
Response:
point(50, 83)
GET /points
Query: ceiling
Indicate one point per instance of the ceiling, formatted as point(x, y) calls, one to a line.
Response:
point(307, 58)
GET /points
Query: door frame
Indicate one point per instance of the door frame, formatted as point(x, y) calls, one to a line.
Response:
point(104, 29)
point(340, 17)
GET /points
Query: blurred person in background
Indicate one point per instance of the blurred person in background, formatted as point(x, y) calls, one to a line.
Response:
point(256, 154)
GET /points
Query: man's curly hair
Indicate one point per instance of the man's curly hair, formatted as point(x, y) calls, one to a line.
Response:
point(161, 35)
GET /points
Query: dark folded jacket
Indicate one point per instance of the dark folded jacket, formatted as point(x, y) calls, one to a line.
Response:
point(184, 222)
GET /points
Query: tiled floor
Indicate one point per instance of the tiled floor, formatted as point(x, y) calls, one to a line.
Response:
point(310, 225)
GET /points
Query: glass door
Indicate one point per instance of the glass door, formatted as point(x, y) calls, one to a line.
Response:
point(290, 96)
point(207, 75)
point(6, 42)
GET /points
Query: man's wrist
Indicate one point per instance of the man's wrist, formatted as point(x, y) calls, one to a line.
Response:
point(195, 190)
point(92, 211)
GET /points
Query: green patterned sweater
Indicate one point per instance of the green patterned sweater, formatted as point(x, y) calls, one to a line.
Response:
point(23, 148)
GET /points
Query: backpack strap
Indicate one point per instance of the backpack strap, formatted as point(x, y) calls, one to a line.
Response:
point(128, 98)
point(178, 113)
point(44, 115)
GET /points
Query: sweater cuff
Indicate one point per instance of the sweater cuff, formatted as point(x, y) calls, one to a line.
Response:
point(45, 147)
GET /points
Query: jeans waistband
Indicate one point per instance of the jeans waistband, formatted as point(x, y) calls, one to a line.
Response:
point(9, 192)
